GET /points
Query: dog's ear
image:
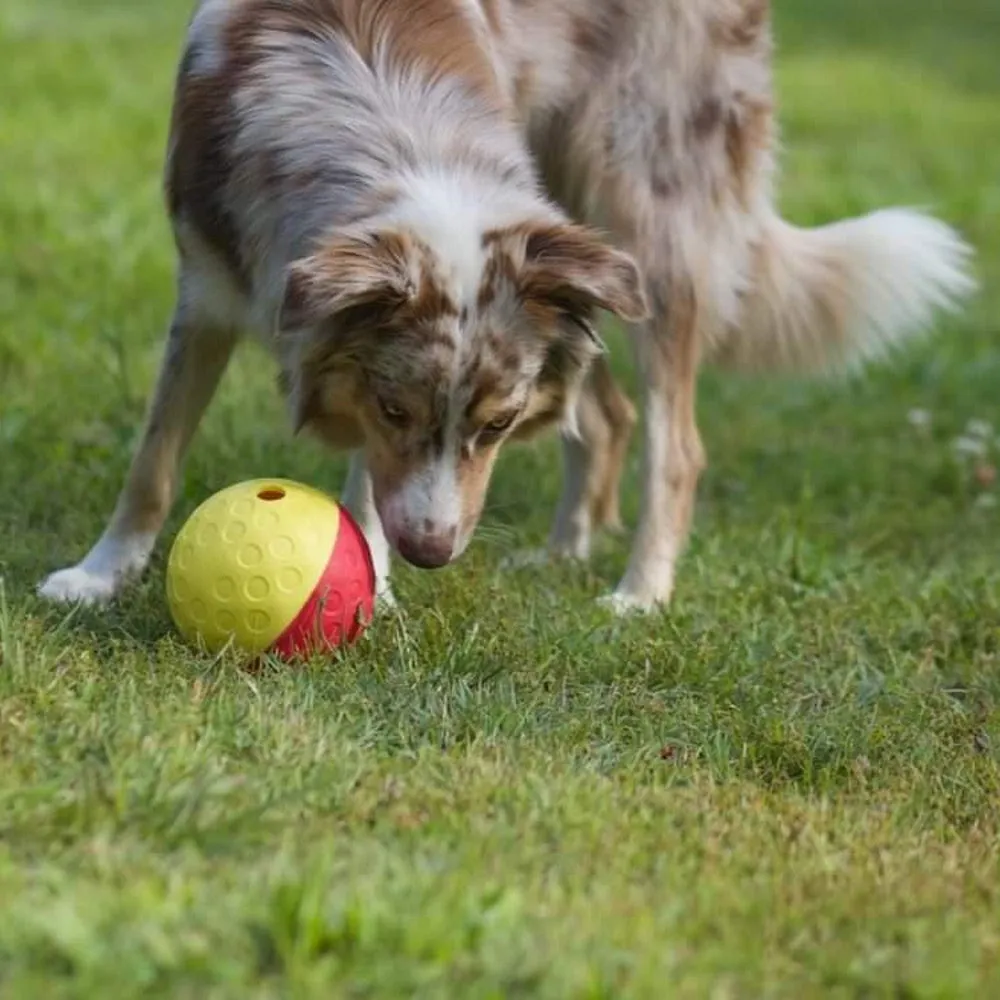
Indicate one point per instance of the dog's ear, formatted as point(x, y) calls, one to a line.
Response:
point(561, 274)
point(356, 272)
point(333, 299)
point(301, 385)
point(569, 268)
point(343, 291)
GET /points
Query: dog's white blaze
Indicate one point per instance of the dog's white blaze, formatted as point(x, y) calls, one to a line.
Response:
point(450, 211)
point(428, 502)
point(446, 215)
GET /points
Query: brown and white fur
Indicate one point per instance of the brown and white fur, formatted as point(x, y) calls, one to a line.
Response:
point(395, 195)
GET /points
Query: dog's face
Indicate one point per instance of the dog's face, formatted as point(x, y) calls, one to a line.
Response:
point(398, 355)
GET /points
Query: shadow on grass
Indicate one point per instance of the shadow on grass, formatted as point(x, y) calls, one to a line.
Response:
point(139, 619)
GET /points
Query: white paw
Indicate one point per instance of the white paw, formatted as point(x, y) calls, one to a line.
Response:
point(577, 549)
point(110, 564)
point(77, 585)
point(570, 537)
point(525, 558)
point(623, 602)
point(570, 545)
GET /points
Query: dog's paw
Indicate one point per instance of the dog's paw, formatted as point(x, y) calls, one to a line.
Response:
point(570, 549)
point(77, 585)
point(624, 603)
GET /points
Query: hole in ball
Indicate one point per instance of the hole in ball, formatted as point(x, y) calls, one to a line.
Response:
point(271, 493)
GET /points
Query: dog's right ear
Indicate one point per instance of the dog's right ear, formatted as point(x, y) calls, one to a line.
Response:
point(345, 289)
point(373, 272)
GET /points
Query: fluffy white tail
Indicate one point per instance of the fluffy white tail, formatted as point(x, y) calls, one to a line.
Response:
point(840, 294)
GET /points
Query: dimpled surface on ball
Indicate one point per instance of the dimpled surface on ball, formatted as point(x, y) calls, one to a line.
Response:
point(247, 560)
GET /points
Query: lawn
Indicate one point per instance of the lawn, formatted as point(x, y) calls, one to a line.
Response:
point(787, 786)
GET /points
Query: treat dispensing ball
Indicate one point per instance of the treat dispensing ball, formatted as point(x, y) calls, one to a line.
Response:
point(270, 566)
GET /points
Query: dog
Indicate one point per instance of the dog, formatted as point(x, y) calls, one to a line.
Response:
point(407, 201)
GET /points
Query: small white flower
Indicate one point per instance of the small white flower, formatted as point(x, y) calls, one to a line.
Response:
point(966, 445)
point(979, 429)
point(919, 418)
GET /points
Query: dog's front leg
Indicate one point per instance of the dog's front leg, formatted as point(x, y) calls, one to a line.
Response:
point(360, 501)
point(196, 355)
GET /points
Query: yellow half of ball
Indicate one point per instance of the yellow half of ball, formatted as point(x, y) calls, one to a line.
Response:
point(246, 561)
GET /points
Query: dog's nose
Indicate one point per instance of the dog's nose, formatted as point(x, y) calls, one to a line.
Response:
point(430, 551)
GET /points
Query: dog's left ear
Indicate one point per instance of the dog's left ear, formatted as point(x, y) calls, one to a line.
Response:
point(568, 268)
point(562, 274)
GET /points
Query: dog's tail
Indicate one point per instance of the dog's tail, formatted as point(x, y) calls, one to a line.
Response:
point(831, 297)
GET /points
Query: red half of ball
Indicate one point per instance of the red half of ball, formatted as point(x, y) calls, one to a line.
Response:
point(342, 603)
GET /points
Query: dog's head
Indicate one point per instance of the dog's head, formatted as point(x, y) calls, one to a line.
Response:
point(429, 365)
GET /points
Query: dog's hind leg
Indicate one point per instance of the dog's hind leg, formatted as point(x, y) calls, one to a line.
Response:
point(196, 355)
point(667, 351)
point(593, 461)
point(620, 419)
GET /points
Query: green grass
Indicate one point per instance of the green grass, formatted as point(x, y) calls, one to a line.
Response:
point(786, 786)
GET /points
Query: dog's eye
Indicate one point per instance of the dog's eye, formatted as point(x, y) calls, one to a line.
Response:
point(394, 414)
point(501, 423)
point(497, 426)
